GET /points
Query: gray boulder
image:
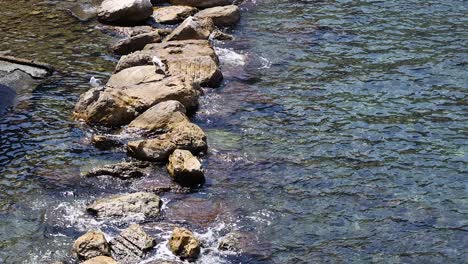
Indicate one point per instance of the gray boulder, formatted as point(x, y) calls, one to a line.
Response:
point(124, 11)
point(125, 205)
point(131, 244)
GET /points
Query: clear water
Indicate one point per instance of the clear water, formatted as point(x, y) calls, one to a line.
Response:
point(339, 137)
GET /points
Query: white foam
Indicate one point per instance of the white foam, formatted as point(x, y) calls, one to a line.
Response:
point(229, 57)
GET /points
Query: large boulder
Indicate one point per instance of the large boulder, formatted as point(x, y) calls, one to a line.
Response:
point(201, 3)
point(222, 16)
point(195, 59)
point(192, 28)
point(100, 260)
point(117, 106)
point(161, 117)
point(173, 14)
point(126, 205)
point(185, 168)
point(91, 244)
point(131, 244)
point(184, 244)
point(134, 43)
point(124, 11)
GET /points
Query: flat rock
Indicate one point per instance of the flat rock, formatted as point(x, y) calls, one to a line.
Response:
point(134, 43)
point(160, 117)
point(124, 11)
point(222, 16)
point(185, 168)
point(173, 14)
point(125, 205)
point(100, 260)
point(132, 31)
point(201, 3)
point(192, 28)
point(184, 244)
point(134, 76)
point(91, 244)
point(131, 244)
point(35, 69)
point(123, 170)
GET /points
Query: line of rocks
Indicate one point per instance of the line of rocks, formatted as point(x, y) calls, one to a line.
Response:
point(154, 89)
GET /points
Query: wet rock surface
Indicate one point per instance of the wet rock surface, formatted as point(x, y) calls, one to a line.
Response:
point(185, 168)
point(173, 14)
point(35, 69)
point(143, 203)
point(134, 43)
point(105, 141)
point(222, 16)
point(124, 11)
point(131, 244)
point(184, 244)
point(91, 244)
point(123, 170)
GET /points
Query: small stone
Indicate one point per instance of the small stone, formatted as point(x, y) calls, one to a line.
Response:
point(232, 242)
point(184, 244)
point(100, 260)
point(185, 168)
point(91, 244)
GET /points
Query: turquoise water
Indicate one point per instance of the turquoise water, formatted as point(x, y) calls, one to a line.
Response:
point(342, 138)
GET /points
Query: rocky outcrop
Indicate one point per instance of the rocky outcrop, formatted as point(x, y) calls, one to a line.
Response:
point(222, 16)
point(91, 244)
point(125, 205)
point(184, 244)
point(113, 107)
point(124, 11)
point(192, 28)
point(185, 168)
point(201, 3)
point(123, 170)
point(134, 43)
point(173, 14)
point(100, 260)
point(131, 244)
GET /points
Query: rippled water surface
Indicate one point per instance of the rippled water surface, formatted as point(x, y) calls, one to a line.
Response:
point(339, 135)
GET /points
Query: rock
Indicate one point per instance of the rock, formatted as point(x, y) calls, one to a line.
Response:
point(188, 136)
point(132, 31)
point(134, 76)
point(131, 244)
point(91, 244)
point(195, 59)
point(125, 205)
point(83, 11)
point(173, 14)
point(222, 16)
point(35, 69)
point(157, 150)
point(196, 211)
point(232, 242)
point(185, 168)
point(105, 141)
point(134, 43)
point(160, 117)
point(219, 35)
point(123, 170)
point(201, 3)
point(100, 260)
point(184, 244)
point(124, 11)
point(119, 106)
point(192, 28)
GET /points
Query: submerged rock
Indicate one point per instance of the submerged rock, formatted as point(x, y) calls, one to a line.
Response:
point(185, 168)
point(100, 260)
point(201, 3)
point(124, 11)
point(123, 170)
point(222, 16)
point(184, 244)
point(172, 14)
point(131, 244)
point(134, 43)
point(35, 69)
point(192, 28)
point(234, 241)
point(105, 141)
point(91, 244)
point(125, 205)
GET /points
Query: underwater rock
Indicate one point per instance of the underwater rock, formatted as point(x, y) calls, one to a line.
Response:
point(123, 170)
point(125, 205)
point(201, 3)
point(222, 16)
point(124, 11)
point(192, 28)
point(184, 244)
point(172, 14)
point(100, 260)
point(234, 241)
point(131, 244)
point(105, 142)
point(185, 168)
point(134, 43)
point(35, 69)
point(91, 244)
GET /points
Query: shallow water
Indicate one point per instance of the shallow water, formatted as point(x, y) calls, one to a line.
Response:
point(338, 136)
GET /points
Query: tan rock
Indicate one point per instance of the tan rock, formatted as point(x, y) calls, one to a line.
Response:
point(124, 11)
point(100, 260)
point(134, 43)
point(134, 76)
point(152, 149)
point(222, 16)
point(160, 117)
point(185, 168)
point(91, 244)
point(131, 244)
point(201, 3)
point(192, 28)
point(184, 244)
point(125, 205)
point(173, 14)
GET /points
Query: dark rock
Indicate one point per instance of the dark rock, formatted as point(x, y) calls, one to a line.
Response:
point(91, 244)
point(131, 244)
point(105, 141)
point(123, 170)
point(125, 205)
point(134, 43)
